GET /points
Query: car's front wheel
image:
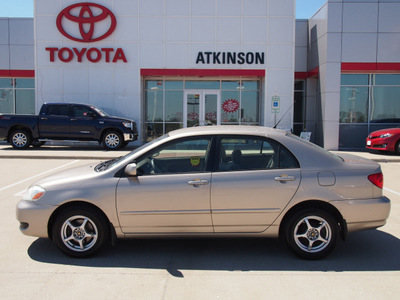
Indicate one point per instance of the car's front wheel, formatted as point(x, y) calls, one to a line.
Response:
point(80, 232)
point(397, 147)
point(311, 233)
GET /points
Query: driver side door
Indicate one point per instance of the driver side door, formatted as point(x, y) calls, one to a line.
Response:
point(171, 193)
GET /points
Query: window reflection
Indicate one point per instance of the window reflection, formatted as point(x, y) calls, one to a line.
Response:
point(17, 95)
point(370, 98)
point(239, 103)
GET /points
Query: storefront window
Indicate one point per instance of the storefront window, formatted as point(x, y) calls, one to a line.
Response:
point(387, 79)
point(250, 107)
point(385, 104)
point(354, 104)
point(231, 102)
point(154, 105)
point(355, 79)
point(17, 95)
point(174, 106)
point(368, 102)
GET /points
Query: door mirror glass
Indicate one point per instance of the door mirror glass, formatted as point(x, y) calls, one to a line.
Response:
point(90, 114)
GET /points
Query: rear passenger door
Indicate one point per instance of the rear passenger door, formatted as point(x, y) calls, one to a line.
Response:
point(255, 179)
point(54, 122)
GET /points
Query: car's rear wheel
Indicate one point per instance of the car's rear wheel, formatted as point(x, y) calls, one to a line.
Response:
point(80, 232)
point(20, 139)
point(311, 233)
point(112, 140)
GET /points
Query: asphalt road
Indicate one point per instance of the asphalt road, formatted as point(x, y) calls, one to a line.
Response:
point(366, 266)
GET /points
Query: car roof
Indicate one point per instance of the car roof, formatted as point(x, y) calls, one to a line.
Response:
point(228, 129)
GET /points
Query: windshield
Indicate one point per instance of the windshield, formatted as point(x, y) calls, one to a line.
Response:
point(111, 163)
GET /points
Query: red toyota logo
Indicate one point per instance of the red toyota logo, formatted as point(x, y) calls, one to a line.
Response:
point(85, 16)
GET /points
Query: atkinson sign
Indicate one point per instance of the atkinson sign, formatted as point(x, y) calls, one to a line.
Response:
point(86, 23)
point(230, 58)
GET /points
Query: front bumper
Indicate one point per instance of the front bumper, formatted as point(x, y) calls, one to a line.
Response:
point(365, 213)
point(34, 218)
point(379, 144)
point(130, 137)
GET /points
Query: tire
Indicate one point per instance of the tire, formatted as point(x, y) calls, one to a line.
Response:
point(311, 233)
point(112, 140)
point(20, 139)
point(80, 232)
point(397, 147)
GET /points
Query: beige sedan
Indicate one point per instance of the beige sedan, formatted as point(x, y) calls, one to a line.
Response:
point(210, 181)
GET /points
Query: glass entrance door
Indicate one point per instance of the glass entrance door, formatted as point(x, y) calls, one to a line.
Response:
point(201, 108)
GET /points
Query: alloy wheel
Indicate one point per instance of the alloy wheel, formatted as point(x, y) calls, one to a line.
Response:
point(79, 233)
point(312, 234)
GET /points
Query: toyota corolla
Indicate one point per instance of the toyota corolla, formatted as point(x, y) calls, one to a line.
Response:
point(214, 181)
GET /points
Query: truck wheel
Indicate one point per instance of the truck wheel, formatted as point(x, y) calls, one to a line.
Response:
point(112, 140)
point(20, 139)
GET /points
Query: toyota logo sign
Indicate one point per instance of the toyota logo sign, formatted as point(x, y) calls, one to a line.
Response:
point(83, 19)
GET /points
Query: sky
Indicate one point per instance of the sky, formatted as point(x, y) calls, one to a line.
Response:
point(24, 8)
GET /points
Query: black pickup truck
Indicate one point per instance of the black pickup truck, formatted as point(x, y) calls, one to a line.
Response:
point(67, 121)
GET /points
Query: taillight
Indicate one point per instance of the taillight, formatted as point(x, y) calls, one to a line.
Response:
point(376, 179)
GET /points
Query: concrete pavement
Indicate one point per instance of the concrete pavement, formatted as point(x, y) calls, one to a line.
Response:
point(65, 150)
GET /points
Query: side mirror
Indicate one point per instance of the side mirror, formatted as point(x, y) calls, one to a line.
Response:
point(91, 114)
point(130, 169)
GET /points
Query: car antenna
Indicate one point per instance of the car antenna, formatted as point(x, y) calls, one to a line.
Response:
point(284, 114)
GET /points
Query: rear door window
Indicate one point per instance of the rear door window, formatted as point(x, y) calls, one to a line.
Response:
point(253, 153)
point(57, 110)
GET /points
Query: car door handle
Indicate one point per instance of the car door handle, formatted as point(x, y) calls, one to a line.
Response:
point(197, 182)
point(285, 178)
point(73, 119)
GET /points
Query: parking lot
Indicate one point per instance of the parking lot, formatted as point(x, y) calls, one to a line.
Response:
point(366, 266)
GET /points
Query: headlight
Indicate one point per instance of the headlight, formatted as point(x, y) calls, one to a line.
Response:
point(127, 124)
point(386, 135)
point(34, 193)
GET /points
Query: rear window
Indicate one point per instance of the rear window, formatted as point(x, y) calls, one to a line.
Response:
point(318, 148)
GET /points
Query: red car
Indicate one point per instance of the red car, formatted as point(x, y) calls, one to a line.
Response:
point(385, 140)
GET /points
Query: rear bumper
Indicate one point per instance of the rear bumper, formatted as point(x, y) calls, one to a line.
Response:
point(365, 213)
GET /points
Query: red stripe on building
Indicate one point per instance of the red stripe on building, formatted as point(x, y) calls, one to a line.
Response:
point(202, 72)
point(371, 67)
point(17, 73)
point(308, 74)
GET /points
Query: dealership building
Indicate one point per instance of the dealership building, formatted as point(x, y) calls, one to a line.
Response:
point(169, 64)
